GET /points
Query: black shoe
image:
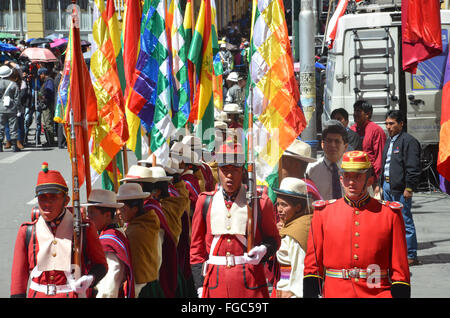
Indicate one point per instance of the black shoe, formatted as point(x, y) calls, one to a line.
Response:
point(14, 146)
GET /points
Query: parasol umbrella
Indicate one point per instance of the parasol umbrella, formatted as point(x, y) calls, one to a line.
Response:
point(7, 47)
point(39, 54)
point(39, 41)
point(58, 42)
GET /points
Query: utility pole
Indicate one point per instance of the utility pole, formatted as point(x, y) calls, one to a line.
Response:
point(307, 73)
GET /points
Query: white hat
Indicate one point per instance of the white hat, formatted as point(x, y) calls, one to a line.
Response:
point(192, 141)
point(144, 174)
point(233, 77)
point(183, 152)
point(5, 71)
point(232, 109)
point(300, 150)
point(292, 187)
point(131, 191)
point(104, 198)
point(220, 125)
point(171, 167)
point(222, 116)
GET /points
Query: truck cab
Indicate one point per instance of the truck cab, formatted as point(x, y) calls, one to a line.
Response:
point(365, 62)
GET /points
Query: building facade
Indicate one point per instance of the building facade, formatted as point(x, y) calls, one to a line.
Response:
point(28, 19)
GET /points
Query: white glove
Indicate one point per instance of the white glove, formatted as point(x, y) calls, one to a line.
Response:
point(200, 292)
point(80, 285)
point(256, 254)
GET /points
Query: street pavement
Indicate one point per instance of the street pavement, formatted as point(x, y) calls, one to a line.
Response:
point(18, 175)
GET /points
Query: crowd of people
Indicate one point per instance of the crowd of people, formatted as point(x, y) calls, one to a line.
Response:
point(337, 226)
point(33, 93)
point(178, 229)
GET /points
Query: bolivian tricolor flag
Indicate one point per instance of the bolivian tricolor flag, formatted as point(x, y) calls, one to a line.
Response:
point(203, 48)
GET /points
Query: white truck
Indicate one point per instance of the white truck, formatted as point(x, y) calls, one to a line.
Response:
point(365, 62)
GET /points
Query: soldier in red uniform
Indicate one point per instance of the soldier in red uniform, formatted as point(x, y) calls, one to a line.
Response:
point(43, 249)
point(356, 245)
point(220, 263)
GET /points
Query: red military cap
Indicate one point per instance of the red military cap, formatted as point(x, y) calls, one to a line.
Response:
point(230, 153)
point(50, 181)
point(355, 161)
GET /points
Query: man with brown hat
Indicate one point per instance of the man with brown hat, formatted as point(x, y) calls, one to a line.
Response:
point(169, 210)
point(118, 281)
point(142, 229)
point(357, 242)
point(43, 250)
point(220, 264)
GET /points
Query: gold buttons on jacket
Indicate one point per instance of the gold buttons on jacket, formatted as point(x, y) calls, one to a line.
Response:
point(356, 245)
point(228, 254)
point(355, 257)
point(228, 227)
point(357, 212)
point(228, 215)
point(55, 242)
point(356, 223)
point(54, 254)
point(228, 240)
point(357, 234)
point(228, 205)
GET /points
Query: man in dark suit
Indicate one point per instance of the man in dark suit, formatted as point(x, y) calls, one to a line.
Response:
point(400, 174)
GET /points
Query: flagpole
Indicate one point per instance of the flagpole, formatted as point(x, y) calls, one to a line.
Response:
point(114, 167)
point(78, 56)
point(251, 190)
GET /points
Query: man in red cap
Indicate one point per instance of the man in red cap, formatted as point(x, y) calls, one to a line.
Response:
point(220, 264)
point(43, 249)
point(357, 242)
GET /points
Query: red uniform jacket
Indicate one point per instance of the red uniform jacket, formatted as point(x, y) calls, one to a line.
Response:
point(25, 260)
point(240, 281)
point(346, 237)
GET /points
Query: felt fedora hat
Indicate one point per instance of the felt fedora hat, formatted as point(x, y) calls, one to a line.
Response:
point(131, 191)
point(232, 109)
point(222, 116)
point(5, 71)
point(183, 152)
point(171, 167)
point(144, 174)
point(103, 198)
point(292, 187)
point(300, 150)
point(192, 141)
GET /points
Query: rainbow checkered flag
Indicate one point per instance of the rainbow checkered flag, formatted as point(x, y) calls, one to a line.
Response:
point(273, 92)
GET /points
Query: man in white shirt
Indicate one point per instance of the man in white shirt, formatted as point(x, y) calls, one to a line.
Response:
point(324, 172)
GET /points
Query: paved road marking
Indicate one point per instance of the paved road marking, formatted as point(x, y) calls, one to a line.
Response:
point(14, 157)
